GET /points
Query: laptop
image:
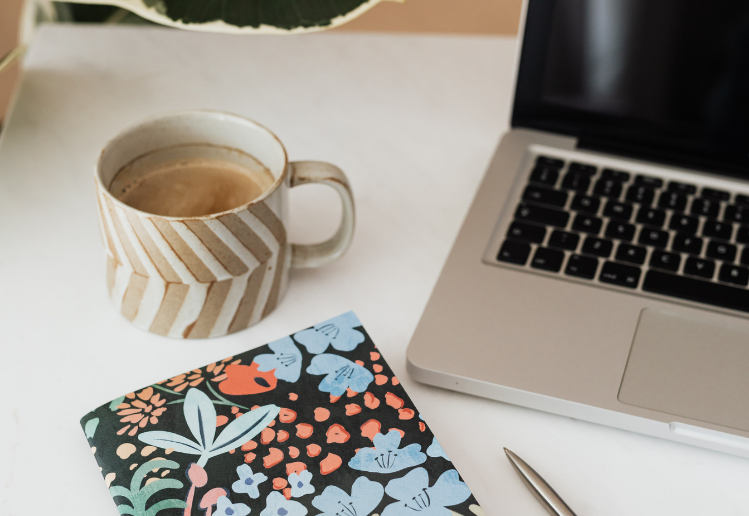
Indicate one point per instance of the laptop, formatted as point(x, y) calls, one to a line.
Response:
point(602, 271)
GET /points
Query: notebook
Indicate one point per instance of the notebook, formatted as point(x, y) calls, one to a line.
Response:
point(314, 423)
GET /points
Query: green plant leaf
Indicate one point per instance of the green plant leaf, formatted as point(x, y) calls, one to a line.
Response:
point(116, 403)
point(247, 16)
point(165, 504)
point(90, 427)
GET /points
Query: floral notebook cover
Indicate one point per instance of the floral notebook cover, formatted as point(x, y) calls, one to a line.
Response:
point(314, 423)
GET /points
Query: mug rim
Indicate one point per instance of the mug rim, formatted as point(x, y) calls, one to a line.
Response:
point(276, 184)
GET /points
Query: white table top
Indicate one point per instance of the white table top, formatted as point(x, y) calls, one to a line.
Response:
point(413, 120)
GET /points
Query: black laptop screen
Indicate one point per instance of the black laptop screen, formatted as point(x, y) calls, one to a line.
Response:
point(666, 80)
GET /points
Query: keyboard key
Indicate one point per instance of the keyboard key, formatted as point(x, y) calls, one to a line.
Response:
point(651, 182)
point(587, 224)
point(737, 213)
point(734, 274)
point(585, 203)
point(576, 181)
point(514, 252)
point(544, 176)
point(619, 175)
point(546, 216)
point(673, 201)
point(699, 267)
point(696, 290)
point(640, 194)
point(745, 256)
point(564, 240)
point(706, 207)
point(653, 237)
point(526, 232)
point(684, 223)
point(549, 162)
point(581, 266)
point(618, 210)
point(582, 168)
point(545, 196)
point(684, 188)
point(687, 243)
point(742, 199)
point(715, 229)
point(620, 230)
point(618, 274)
point(664, 260)
point(547, 259)
point(719, 195)
point(631, 253)
point(608, 188)
point(651, 217)
point(598, 247)
point(721, 251)
point(742, 235)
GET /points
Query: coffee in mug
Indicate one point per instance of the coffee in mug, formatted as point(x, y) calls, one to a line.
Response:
point(162, 184)
point(193, 212)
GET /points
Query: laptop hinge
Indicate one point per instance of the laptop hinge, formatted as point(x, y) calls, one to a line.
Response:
point(659, 155)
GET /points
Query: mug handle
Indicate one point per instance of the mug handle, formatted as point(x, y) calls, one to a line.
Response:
point(317, 255)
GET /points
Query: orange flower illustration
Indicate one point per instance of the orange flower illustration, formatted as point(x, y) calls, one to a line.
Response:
point(145, 407)
point(195, 377)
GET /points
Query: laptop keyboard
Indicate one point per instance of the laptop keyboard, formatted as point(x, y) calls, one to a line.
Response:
point(632, 231)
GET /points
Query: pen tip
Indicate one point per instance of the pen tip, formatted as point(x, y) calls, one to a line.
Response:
point(506, 451)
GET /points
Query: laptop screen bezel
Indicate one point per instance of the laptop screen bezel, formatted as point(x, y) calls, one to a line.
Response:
point(598, 132)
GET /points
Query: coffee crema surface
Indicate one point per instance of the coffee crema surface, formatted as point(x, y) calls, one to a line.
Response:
point(191, 187)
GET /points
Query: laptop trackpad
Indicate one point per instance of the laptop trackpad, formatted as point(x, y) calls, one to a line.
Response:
point(690, 367)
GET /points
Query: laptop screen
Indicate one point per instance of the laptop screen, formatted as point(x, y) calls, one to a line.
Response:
point(664, 80)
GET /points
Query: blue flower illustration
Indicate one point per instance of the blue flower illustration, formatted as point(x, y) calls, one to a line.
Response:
point(300, 484)
point(435, 450)
point(414, 494)
point(341, 374)
point(286, 360)
point(277, 505)
point(224, 507)
point(338, 332)
point(248, 481)
point(365, 497)
point(386, 457)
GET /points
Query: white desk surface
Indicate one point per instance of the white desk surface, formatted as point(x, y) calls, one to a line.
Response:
point(413, 120)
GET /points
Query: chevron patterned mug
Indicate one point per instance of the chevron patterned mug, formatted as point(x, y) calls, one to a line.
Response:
point(198, 274)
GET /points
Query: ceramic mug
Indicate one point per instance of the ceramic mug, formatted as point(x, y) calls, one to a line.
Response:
point(207, 276)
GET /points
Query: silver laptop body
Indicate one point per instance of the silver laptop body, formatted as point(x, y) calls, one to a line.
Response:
point(564, 290)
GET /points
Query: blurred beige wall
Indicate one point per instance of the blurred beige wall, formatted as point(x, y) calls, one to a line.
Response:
point(446, 16)
point(436, 16)
point(10, 14)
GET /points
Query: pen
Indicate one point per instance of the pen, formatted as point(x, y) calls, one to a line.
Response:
point(538, 486)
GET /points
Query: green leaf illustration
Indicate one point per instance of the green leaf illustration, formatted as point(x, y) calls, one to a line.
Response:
point(90, 427)
point(138, 497)
point(200, 416)
point(171, 440)
point(116, 403)
point(201, 419)
point(243, 429)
